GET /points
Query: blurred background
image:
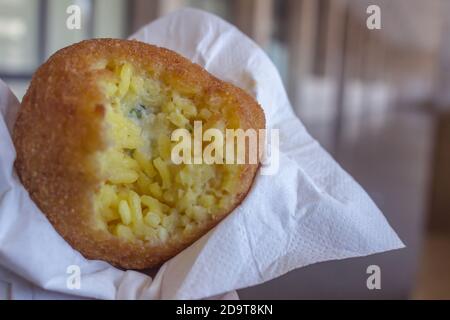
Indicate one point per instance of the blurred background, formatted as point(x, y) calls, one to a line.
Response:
point(377, 100)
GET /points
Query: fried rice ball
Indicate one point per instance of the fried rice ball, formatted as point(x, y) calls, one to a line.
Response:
point(93, 142)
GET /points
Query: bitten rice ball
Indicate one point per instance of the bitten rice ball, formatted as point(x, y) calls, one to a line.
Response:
point(93, 142)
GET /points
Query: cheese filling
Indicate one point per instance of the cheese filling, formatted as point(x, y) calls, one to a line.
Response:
point(144, 196)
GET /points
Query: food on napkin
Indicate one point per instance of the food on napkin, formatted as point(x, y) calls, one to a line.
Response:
point(94, 149)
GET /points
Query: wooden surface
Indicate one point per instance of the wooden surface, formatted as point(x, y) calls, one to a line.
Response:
point(439, 218)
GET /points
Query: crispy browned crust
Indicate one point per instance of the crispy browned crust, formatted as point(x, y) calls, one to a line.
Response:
point(59, 126)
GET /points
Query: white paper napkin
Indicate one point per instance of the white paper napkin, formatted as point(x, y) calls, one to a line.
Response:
point(310, 211)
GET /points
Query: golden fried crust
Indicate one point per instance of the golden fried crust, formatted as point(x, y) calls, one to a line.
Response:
point(60, 125)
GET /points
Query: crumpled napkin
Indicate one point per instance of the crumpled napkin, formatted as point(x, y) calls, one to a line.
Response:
point(309, 211)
